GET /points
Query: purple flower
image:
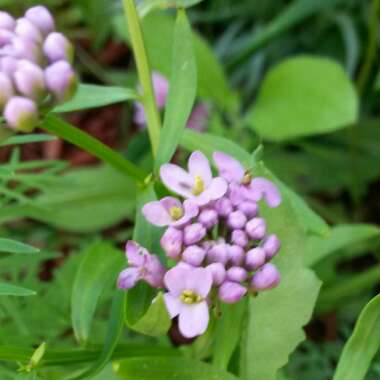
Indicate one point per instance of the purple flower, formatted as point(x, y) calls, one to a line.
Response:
point(29, 80)
point(235, 254)
point(42, 18)
point(250, 209)
point(239, 237)
point(223, 206)
point(8, 65)
point(255, 258)
point(197, 184)
point(186, 298)
point(142, 266)
point(218, 253)
point(193, 233)
point(229, 168)
point(237, 274)
point(198, 117)
point(21, 113)
point(271, 245)
point(231, 292)
point(58, 48)
point(265, 278)
point(261, 188)
point(6, 89)
point(171, 242)
point(208, 217)
point(27, 30)
point(236, 220)
point(21, 48)
point(218, 272)
point(194, 255)
point(256, 228)
point(169, 211)
point(7, 21)
point(5, 37)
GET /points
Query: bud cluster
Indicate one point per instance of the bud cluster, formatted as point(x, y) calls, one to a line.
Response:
point(216, 237)
point(35, 67)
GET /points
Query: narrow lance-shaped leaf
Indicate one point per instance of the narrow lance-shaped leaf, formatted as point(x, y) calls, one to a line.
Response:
point(362, 345)
point(13, 290)
point(12, 246)
point(182, 89)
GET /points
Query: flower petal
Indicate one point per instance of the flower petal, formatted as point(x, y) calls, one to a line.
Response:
point(200, 281)
point(190, 209)
point(175, 280)
point(173, 304)
point(177, 179)
point(133, 253)
point(217, 188)
point(229, 168)
point(156, 214)
point(199, 166)
point(193, 319)
point(169, 202)
point(263, 188)
point(128, 277)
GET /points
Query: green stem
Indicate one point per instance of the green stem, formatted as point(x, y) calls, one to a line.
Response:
point(144, 72)
point(88, 143)
point(366, 68)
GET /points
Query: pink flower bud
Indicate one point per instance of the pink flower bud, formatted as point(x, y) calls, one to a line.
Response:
point(193, 255)
point(218, 253)
point(231, 292)
point(27, 30)
point(256, 228)
point(6, 89)
point(8, 65)
point(208, 217)
point(255, 258)
point(271, 245)
point(58, 48)
point(250, 209)
point(236, 254)
point(5, 37)
point(61, 81)
point(236, 220)
point(194, 233)
point(171, 242)
point(265, 278)
point(6, 21)
point(239, 237)
point(223, 207)
point(42, 18)
point(237, 274)
point(21, 114)
point(29, 80)
point(218, 273)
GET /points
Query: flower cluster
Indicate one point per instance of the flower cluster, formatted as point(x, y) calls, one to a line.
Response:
point(216, 236)
point(198, 116)
point(35, 67)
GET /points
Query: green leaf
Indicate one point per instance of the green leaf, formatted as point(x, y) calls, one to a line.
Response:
point(146, 6)
point(276, 317)
point(212, 82)
point(13, 290)
point(139, 298)
point(303, 96)
point(182, 89)
point(167, 368)
point(26, 139)
point(93, 96)
point(156, 320)
point(12, 246)
point(99, 268)
point(362, 345)
point(341, 236)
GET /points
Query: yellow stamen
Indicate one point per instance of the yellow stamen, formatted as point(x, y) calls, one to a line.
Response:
point(176, 212)
point(189, 297)
point(199, 185)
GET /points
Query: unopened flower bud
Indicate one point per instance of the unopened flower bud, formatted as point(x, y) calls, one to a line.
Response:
point(29, 80)
point(237, 274)
point(21, 48)
point(236, 254)
point(208, 217)
point(193, 255)
point(58, 48)
point(6, 21)
point(61, 80)
point(194, 233)
point(21, 114)
point(239, 237)
point(6, 89)
point(255, 258)
point(5, 37)
point(231, 292)
point(256, 228)
point(27, 30)
point(265, 278)
point(42, 18)
point(128, 278)
point(8, 65)
point(218, 272)
point(250, 209)
point(236, 220)
point(171, 242)
point(182, 264)
point(223, 207)
point(218, 253)
point(271, 245)
point(235, 194)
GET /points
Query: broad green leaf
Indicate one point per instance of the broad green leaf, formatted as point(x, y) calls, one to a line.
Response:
point(146, 6)
point(26, 139)
point(93, 96)
point(182, 89)
point(12, 246)
point(303, 96)
point(208, 144)
point(276, 318)
point(362, 345)
point(228, 333)
point(212, 82)
point(85, 200)
point(167, 368)
point(341, 236)
point(13, 290)
point(139, 298)
point(156, 320)
point(99, 268)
